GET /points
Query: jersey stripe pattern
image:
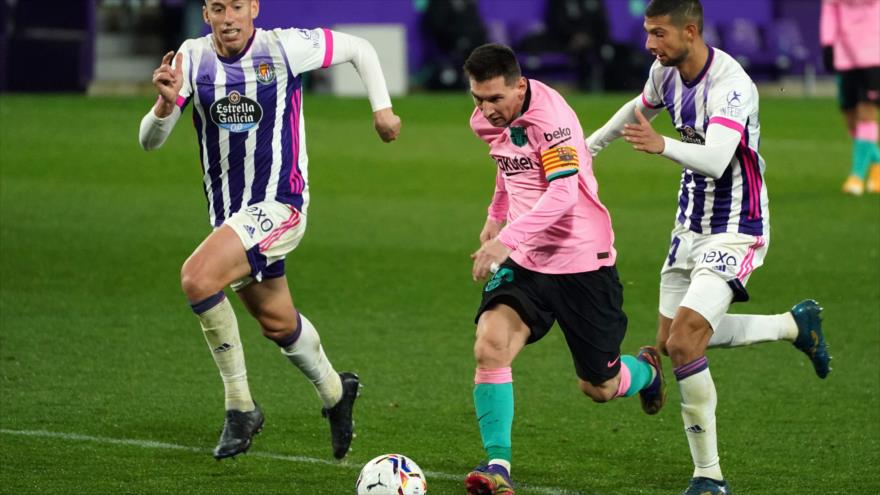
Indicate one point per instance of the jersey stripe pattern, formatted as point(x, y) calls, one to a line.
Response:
point(247, 113)
point(722, 94)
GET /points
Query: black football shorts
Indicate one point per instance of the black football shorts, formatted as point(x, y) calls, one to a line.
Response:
point(588, 307)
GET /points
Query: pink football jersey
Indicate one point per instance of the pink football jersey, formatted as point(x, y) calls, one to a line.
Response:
point(852, 27)
point(545, 188)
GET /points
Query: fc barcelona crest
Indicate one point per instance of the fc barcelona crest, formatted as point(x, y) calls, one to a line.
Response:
point(518, 136)
point(265, 73)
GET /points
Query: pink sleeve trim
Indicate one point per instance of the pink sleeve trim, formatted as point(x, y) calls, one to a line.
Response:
point(647, 104)
point(328, 48)
point(181, 101)
point(730, 124)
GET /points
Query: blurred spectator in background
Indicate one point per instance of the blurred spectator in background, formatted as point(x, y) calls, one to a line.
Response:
point(850, 36)
point(578, 28)
point(452, 29)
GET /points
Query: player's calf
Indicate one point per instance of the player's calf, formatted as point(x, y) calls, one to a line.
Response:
point(603, 392)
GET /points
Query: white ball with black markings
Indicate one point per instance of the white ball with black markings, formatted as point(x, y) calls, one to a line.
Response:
point(391, 474)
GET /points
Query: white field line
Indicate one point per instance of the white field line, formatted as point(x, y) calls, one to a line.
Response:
point(150, 444)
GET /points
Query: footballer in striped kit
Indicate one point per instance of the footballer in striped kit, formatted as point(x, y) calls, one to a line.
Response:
point(245, 86)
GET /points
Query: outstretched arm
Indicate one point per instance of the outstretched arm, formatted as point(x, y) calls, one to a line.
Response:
point(613, 129)
point(361, 54)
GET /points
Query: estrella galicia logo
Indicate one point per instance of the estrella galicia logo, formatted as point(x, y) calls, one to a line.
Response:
point(518, 136)
point(265, 73)
point(236, 113)
point(734, 98)
point(503, 275)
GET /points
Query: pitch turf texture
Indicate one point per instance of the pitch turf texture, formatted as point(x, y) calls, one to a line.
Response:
point(108, 387)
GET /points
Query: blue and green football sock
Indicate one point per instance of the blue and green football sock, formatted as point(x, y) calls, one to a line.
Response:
point(493, 401)
point(635, 375)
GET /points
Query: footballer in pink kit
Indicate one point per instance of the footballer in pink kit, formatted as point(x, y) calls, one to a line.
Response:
point(849, 31)
point(549, 244)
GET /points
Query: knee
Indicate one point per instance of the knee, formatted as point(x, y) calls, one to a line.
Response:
point(661, 346)
point(489, 349)
point(195, 285)
point(681, 347)
point(599, 393)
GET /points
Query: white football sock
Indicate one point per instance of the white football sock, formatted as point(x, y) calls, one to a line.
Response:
point(221, 332)
point(698, 402)
point(742, 330)
point(501, 462)
point(308, 355)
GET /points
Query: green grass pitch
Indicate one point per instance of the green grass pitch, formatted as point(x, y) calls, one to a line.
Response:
point(106, 385)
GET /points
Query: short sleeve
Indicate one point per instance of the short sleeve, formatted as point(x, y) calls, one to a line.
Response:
point(731, 102)
point(651, 95)
point(307, 49)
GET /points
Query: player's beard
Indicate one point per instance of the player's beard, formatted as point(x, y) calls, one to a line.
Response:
point(677, 60)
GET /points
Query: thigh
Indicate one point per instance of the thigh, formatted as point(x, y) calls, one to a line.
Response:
point(216, 262)
point(709, 296)
point(675, 275)
point(521, 290)
point(731, 258)
point(868, 83)
point(848, 89)
point(270, 303)
point(589, 308)
point(268, 230)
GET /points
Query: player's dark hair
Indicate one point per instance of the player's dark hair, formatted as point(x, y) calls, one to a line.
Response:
point(680, 11)
point(492, 60)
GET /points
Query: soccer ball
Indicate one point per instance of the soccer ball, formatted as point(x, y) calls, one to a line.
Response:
point(391, 474)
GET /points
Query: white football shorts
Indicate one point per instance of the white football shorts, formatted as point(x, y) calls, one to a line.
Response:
point(268, 230)
point(708, 272)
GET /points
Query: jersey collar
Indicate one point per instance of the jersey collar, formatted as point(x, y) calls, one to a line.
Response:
point(232, 60)
point(526, 101)
point(703, 71)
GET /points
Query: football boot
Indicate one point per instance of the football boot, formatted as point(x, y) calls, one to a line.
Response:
point(854, 186)
point(339, 416)
point(707, 486)
point(488, 480)
point(654, 395)
point(239, 428)
point(810, 339)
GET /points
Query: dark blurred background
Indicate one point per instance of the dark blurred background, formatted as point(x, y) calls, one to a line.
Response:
point(104, 46)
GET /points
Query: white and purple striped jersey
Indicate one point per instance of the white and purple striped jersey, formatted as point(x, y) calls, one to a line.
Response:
point(247, 112)
point(721, 94)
